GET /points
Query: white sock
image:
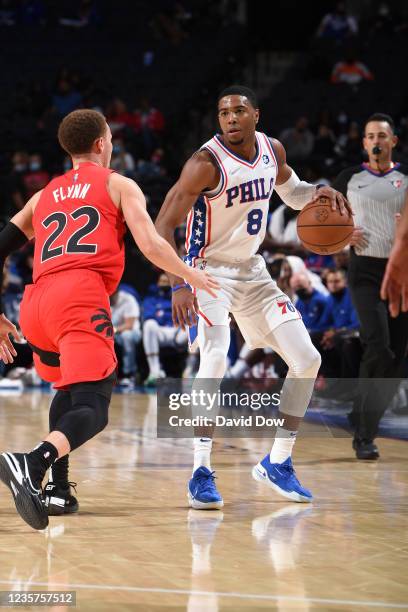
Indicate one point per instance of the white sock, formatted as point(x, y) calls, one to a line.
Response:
point(154, 365)
point(239, 368)
point(202, 453)
point(282, 445)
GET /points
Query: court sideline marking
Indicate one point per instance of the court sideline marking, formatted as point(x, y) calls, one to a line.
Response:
point(131, 589)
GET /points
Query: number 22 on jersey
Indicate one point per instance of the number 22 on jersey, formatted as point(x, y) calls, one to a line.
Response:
point(71, 245)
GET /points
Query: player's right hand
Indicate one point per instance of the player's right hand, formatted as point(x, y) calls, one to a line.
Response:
point(7, 350)
point(202, 280)
point(184, 307)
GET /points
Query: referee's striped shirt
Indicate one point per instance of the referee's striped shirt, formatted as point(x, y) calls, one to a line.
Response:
point(375, 199)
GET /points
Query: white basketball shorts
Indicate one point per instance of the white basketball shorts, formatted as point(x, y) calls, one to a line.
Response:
point(250, 294)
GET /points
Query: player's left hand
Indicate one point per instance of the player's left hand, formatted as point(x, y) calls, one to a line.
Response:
point(7, 350)
point(337, 200)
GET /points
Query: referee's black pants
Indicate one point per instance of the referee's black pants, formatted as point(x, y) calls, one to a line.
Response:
point(384, 342)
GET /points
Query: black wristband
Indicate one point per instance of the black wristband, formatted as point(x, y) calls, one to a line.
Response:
point(11, 239)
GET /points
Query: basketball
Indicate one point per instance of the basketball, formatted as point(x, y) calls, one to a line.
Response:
point(322, 230)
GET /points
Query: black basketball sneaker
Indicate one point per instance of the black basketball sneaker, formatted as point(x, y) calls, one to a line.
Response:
point(27, 495)
point(58, 499)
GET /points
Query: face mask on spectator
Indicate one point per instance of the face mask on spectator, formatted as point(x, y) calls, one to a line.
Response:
point(302, 293)
point(116, 149)
point(34, 166)
point(339, 292)
point(20, 167)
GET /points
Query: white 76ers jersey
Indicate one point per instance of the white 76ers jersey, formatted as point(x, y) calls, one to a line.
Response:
point(229, 223)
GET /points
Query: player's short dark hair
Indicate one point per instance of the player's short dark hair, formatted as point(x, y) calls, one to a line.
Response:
point(239, 90)
point(381, 117)
point(336, 271)
point(78, 130)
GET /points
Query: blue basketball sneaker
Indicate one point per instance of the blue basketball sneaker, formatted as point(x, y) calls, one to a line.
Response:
point(202, 492)
point(281, 478)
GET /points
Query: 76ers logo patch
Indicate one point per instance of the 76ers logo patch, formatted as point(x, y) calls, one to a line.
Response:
point(321, 214)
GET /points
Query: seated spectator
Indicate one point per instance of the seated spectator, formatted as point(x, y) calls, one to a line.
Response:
point(122, 161)
point(152, 124)
point(36, 178)
point(324, 144)
point(147, 170)
point(126, 324)
point(19, 170)
point(350, 71)
point(120, 119)
point(298, 140)
point(310, 302)
point(158, 328)
point(337, 25)
point(298, 266)
point(336, 335)
point(66, 98)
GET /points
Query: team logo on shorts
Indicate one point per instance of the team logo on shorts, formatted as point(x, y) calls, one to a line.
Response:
point(321, 214)
point(265, 159)
point(203, 264)
point(106, 325)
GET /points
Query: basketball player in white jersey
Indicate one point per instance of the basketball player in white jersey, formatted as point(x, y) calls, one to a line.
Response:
point(225, 189)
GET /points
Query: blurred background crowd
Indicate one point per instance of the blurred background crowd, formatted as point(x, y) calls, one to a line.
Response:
point(154, 70)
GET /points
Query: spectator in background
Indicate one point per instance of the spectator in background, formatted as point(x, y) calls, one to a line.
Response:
point(323, 150)
point(337, 25)
point(336, 335)
point(120, 119)
point(350, 71)
point(158, 328)
point(32, 12)
point(27, 178)
point(66, 98)
point(122, 161)
point(126, 324)
point(152, 124)
point(298, 140)
point(36, 178)
point(19, 169)
point(147, 170)
point(8, 13)
point(310, 302)
point(352, 149)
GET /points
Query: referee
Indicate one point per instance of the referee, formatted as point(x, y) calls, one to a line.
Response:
point(376, 191)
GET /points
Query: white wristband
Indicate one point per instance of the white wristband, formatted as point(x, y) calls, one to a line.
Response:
point(296, 193)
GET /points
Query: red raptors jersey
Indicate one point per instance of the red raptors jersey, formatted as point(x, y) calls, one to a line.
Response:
point(76, 225)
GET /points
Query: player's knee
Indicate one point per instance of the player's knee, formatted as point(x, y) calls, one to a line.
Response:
point(307, 364)
point(213, 363)
point(150, 326)
point(311, 363)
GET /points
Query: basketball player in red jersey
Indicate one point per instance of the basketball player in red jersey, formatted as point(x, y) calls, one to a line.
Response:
point(78, 221)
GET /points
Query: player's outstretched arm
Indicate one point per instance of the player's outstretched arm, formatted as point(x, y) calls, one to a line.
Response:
point(395, 282)
point(16, 233)
point(152, 245)
point(296, 193)
point(198, 174)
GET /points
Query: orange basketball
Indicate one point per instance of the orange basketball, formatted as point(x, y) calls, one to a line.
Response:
point(323, 230)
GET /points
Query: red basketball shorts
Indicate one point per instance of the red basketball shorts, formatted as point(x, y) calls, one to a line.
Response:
point(67, 320)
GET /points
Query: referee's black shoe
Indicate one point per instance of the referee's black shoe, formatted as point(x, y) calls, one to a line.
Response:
point(58, 498)
point(365, 449)
point(27, 495)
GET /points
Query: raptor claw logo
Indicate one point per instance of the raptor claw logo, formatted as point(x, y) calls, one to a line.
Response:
point(106, 325)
